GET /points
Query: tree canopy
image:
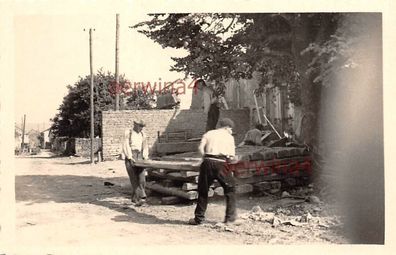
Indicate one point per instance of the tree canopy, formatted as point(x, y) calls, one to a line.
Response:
point(233, 46)
point(73, 118)
point(296, 50)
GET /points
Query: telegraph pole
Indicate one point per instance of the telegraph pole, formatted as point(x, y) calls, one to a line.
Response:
point(91, 95)
point(117, 78)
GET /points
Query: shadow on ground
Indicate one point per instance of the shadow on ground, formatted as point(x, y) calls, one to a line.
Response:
point(83, 162)
point(39, 157)
point(84, 189)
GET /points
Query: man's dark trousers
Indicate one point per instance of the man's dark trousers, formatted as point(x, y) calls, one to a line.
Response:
point(210, 170)
point(137, 177)
point(213, 117)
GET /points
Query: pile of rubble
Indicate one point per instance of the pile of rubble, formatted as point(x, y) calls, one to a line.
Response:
point(304, 215)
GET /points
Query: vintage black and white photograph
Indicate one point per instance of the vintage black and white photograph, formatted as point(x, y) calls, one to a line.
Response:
point(199, 128)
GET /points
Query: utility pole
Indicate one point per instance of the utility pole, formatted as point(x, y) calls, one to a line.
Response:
point(117, 78)
point(23, 132)
point(92, 99)
point(91, 95)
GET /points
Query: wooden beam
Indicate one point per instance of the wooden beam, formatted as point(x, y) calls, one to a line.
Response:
point(189, 186)
point(171, 165)
point(190, 195)
point(244, 188)
point(219, 191)
point(176, 176)
point(189, 173)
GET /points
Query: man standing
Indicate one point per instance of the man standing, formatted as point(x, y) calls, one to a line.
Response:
point(218, 148)
point(135, 148)
point(211, 104)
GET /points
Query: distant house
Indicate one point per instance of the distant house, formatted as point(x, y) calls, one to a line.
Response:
point(33, 139)
point(46, 138)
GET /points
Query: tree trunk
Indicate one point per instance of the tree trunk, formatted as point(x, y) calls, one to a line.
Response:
point(300, 40)
point(303, 34)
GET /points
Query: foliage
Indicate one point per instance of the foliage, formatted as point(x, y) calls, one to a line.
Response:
point(297, 50)
point(140, 99)
point(339, 52)
point(233, 46)
point(73, 118)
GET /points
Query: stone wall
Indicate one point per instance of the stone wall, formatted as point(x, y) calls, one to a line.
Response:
point(115, 123)
point(76, 146)
point(83, 146)
point(63, 145)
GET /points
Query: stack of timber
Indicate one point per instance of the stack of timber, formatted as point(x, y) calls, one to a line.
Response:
point(258, 169)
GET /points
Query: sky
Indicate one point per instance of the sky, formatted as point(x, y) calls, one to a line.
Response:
point(52, 51)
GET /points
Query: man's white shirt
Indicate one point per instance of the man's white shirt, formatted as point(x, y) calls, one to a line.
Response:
point(134, 141)
point(218, 142)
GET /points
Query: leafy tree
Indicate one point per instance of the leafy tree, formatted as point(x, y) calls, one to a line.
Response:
point(291, 49)
point(73, 118)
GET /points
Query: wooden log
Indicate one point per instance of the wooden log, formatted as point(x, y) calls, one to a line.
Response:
point(164, 171)
point(172, 191)
point(176, 176)
point(244, 188)
point(189, 186)
point(176, 147)
point(190, 195)
point(258, 179)
point(245, 157)
point(197, 139)
point(267, 154)
point(261, 164)
point(194, 186)
point(278, 143)
point(171, 165)
point(243, 173)
point(171, 200)
point(290, 182)
point(262, 186)
point(167, 183)
point(282, 152)
point(256, 156)
point(195, 155)
point(294, 152)
point(189, 173)
point(219, 191)
point(196, 159)
point(276, 184)
point(210, 192)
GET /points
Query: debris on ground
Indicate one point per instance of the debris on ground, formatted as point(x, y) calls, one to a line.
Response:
point(296, 215)
point(257, 214)
point(306, 217)
point(314, 199)
point(256, 209)
point(276, 222)
point(108, 184)
point(292, 223)
point(285, 194)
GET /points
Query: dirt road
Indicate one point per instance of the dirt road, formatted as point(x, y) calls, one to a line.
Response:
point(63, 201)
